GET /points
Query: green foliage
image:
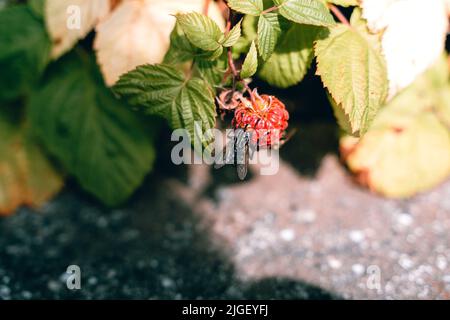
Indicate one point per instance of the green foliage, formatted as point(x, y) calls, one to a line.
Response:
point(407, 149)
point(353, 69)
point(24, 50)
point(90, 132)
point(249, 33)
point(212, 71)
point(292, 57)
point(163, 90)
point(201, 31)
point(99, 140)
point(37, 6)
point(269, 31)
point(181, 50)
point(233, 36)
point(312, 12)
point(250, 64)
point(251, 7)
point(27, 176)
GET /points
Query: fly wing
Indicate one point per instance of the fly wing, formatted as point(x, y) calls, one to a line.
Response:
point(242, 168)
point(242, 153)
point(226, 155)
point(221, 157)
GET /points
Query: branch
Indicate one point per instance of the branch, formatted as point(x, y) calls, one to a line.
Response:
point(339, 15)
point(206, 7)
point(269, 10)
point(232, 66)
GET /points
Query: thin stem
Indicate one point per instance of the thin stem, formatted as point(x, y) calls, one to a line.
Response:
point(206, 7)
point(249, 90)
point(232, 66)
point(339, 15)
point(269, 10)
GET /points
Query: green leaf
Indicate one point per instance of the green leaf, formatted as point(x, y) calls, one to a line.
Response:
point(27, 177)
point(353, 69)
point(240, 47)
point(251, 7)
point(249, 28)
point(345, 3)
point(233, 36)
point(94, 135)
point(201, 31)
point(212, 71)
point(250, 64)
point(292, 57)
point(407, 149)
point(313, 12)
point(37, 6)
point(24, 51)
point(181, 50)
point(163, 90)
point(269, 31)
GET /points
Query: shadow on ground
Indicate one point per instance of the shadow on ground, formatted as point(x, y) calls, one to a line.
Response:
point(154, 249)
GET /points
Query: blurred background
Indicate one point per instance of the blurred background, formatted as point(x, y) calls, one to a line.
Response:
point(192, 232)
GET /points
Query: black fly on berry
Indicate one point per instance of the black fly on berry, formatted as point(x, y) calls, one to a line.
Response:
point(258, 122)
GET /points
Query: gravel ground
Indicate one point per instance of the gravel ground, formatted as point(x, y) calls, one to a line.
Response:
point(308, 232)
point(329, 232)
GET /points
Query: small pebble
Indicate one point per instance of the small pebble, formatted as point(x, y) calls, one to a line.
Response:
point(405, 262)
point(356, 236)
point(305, 216)
point(53, 285)
point(441, 262)
point(287, 235)
point(334, 263)
point(92, 281)
point(27, 294)
point(358, 269)
point(404, 219)
point(5, 291)
point(167, 282)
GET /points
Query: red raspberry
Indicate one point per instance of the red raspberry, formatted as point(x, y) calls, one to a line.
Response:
point(266, 115)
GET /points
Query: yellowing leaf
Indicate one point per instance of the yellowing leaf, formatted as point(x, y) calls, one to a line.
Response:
point(407, 150)
point(26, 175)
point(352, 68)
point(71, 20)
point(138, 32)
point(413, 37)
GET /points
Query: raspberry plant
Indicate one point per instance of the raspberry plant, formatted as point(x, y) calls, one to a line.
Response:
point(75, 106)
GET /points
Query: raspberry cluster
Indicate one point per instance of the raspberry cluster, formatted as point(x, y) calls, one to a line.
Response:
point(265, 116)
